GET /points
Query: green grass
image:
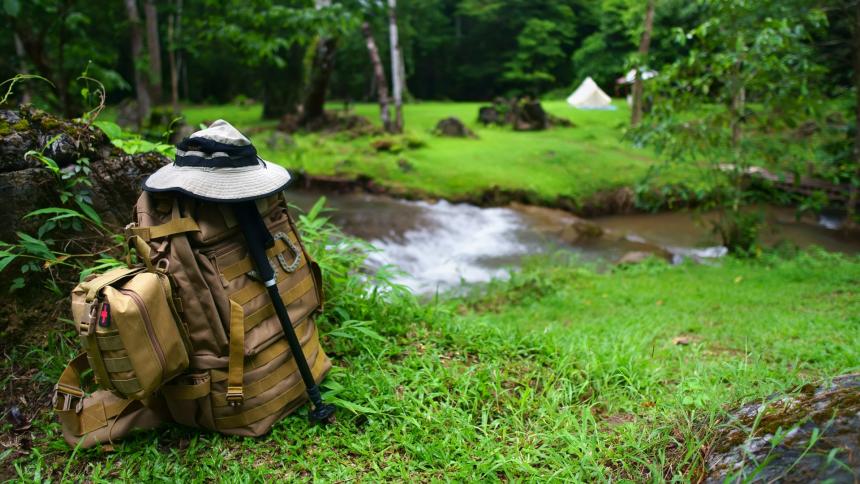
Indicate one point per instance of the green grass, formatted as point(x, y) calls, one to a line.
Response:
point(561, 372)
point(572, 162)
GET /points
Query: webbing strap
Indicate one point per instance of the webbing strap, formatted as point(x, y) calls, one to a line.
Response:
point(272, 406)
point(109, 343)
point(236, 368)
point(176, 225)
point(241, 267)
point(116, 365)
point(69, 401)
point(127, 387)
point(277, 349)
point(95, 285)
point(95, 360)
point(294, 294)
point(198, 389)
point(269, 381)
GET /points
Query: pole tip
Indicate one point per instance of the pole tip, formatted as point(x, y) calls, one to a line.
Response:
point(323, 414)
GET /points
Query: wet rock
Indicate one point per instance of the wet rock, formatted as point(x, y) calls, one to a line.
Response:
point(453, 127)
point(635, 257)
point(580, 231)
point(780, 435)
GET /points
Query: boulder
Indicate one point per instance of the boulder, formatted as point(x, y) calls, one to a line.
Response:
point(830, 411)
point(634, 257)
point(488, 115)
point(26, 184)
point(453, 127)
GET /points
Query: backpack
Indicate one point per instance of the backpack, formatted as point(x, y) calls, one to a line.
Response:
point(190, 336)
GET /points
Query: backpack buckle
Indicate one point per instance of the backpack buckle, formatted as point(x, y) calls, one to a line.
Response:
point(69, 395)
point(88, 327)
point(235, 396)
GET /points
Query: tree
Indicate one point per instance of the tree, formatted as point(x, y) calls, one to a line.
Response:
point(741, 51)
point(853, 198)
point(379, 75)
point(538, 55)
point(397, 80)
point(644, 45)
point(174, 55)
point(153, 48)
point(323, 66)
point(141, 82)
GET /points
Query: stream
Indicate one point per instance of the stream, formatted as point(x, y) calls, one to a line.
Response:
point(440, 245)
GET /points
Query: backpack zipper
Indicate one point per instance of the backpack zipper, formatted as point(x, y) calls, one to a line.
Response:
point(150, 331)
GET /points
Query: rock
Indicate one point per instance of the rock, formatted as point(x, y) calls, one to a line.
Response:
point(404, 165)
point(580, 231)
point(26, 184)
point(453, 127)
point(23, 191)
point(488, 115)
point(180, 132)
point(634, 257)
point(528, 115)
point(383, 144)
point(831, 409)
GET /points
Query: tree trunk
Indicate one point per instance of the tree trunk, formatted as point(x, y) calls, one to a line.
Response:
point(140, 82)
point(379, 76)
point(644, 45)
point(153, 46)
point(22, 66)
point(396, 80)
point(323, 66)
point(61, 80)
point(173, 30)
point(282, 86)
point(738, 103)
point(851, 208)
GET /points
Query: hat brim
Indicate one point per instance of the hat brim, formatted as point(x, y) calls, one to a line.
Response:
point(220, 184)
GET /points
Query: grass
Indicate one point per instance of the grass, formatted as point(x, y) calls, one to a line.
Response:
point(572, 162)
point(559, 373)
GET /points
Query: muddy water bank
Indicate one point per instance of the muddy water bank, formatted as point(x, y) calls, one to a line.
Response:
point(441, 244)
point(606, 202)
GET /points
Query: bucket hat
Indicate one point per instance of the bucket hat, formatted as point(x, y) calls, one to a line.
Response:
point(219, 164)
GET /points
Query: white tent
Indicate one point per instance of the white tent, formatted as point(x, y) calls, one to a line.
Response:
point(589, 96)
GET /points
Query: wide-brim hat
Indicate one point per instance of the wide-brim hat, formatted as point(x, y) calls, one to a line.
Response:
point(219, 164)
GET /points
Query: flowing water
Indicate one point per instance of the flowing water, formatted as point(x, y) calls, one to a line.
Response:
point(439, 245)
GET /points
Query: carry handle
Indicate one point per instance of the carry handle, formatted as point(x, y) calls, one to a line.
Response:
point(143, 251)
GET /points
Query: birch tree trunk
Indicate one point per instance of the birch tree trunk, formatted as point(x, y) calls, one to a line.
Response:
point(323, 66)
point(140, 82)
point(644, 45)
point(153, 47)
point(379, 76)
point(853, 198)
point(396, 79)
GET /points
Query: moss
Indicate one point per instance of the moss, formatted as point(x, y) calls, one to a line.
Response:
point(5, 128)
point(21, 125)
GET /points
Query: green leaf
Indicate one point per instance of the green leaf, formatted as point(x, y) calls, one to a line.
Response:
point(35, 246)
point(89, 211)
point(6, 260)
point(59, 213)
point(112, 130)
point(12, 7)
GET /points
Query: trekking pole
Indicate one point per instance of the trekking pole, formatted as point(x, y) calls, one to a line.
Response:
point(259, 239)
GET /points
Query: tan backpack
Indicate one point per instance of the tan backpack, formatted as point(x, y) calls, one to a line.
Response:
point(192, 336)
